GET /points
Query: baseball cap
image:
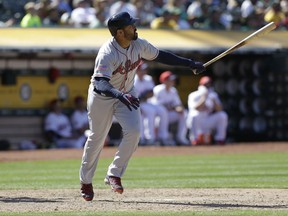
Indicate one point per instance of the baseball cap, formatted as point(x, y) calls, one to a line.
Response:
point(120, 20)
point(167, 75)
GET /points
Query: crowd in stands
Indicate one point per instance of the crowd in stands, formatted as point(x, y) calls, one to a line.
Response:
point(155, 14)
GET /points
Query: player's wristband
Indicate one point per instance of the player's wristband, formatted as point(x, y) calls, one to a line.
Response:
point(104, 88)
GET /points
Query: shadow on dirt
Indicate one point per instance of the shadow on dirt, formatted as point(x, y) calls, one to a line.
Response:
point(207, 205)
point(28, 200)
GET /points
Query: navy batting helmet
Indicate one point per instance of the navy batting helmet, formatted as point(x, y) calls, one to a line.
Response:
point(119, 21)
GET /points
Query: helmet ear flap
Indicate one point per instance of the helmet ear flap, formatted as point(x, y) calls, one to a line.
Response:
point(113, 30)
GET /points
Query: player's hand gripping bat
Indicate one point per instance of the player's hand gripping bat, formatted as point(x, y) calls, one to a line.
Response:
point(259, 33)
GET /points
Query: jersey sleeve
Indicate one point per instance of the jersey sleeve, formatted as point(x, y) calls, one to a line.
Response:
point(149, 52)
point(103, 66)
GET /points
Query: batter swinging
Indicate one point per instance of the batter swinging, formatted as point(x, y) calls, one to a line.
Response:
point(111, 93)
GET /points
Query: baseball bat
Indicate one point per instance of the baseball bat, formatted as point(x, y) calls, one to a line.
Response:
point(259, 33)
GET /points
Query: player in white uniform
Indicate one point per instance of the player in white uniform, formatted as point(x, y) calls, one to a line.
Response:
point(58, 128)
point(79, 119)
point(144, 85)
point(111, 92)
point(207, 121)
point(166, 94)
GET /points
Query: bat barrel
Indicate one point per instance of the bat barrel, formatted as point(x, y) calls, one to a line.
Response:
point(264, 30)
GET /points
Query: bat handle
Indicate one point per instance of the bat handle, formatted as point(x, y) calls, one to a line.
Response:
point(208, 63)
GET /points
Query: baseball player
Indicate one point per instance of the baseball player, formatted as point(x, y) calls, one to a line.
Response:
point(207, 121)
point(144, 85)
point(79, 119)
point(166, 94)
point(58, 128)
point(111, 92)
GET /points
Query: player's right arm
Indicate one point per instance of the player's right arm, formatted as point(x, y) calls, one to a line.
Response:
point(103, 87)
point(169, 58)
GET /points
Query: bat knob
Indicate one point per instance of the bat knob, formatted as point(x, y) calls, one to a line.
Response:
point(197, 67)
point(197, 71)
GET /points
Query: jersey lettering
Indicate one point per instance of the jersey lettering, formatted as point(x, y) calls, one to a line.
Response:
point(128, 66)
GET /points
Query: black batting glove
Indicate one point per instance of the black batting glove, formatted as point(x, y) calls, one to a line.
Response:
point(130, 101)
point(197, 67)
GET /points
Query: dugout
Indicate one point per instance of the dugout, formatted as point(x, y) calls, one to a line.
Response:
point(37, 65)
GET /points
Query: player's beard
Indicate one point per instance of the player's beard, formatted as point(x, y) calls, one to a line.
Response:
point(135, 35)
point(130, 36)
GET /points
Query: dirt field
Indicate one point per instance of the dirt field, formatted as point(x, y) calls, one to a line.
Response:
point(144, 199)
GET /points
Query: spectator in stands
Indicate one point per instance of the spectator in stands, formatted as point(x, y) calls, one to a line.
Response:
point(274, 14)
point(176, 6)
point(83, 15)
point(10, 22)
point(197, 13)
point(79, 119)
point(284, 6)
point(248, 7)
point(53, 17)
point(165, 21)
point(102, 11)
point(254, 21)
point(43, 8)
point(181, 22)
point(144, 85)
point(145, 12)
point(284, 23)
point(11, 12)
point(65, 20)
point(31, 19)
point(58, 128)
point(166, 94)
point(123, 6)
point(158, 7)
point(63, 6)
point(252, 14)
point(207, 121)
point(235, 15)
point(214, 22)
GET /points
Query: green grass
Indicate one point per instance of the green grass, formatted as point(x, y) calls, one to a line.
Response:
point(257, 170)
point(211, 171)
point(266, 170)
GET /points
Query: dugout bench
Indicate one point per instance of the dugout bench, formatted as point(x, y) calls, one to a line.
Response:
point(18, 129)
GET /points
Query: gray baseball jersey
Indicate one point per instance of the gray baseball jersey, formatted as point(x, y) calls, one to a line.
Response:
point(119, 64)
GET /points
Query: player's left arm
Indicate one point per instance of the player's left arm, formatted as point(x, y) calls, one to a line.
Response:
point(169, 58)
point(151, 53)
